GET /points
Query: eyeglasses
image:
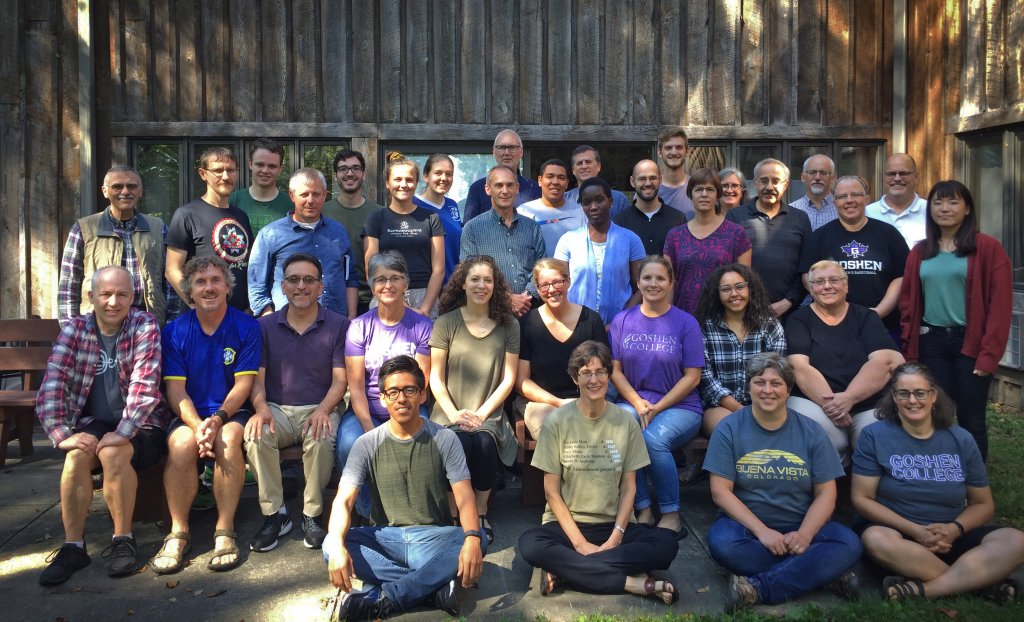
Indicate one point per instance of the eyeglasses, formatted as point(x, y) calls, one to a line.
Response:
point(349, 169)
point(705, 190)
point(774, 181)
point(120, 187)
point(393, 393)
point(894, 174)
point(295, 279)
point(814, 172)
point(218, 172)
point(588, 375)
point(728, 289)
point(731, 186)
point(850, 195)
point(387, 280)
point(556, 284)
point(507, 148)
point(903, 395)
point(832, 280)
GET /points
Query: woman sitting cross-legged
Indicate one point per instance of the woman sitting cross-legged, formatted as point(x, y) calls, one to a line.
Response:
point(773, 475)
point(920, 484)
point(590, 451)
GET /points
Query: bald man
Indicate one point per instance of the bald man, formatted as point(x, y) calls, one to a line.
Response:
point(647, 216)
point(901, 206)
point(304, 230)
point(100, 403)
point(508, 150)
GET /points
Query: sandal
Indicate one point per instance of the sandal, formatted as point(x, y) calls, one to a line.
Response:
point(231, 550)
point(667, 589)
point(902, 589)
point(1003, 593)
point(549, 582)
point(178, 557)
point(488, 530)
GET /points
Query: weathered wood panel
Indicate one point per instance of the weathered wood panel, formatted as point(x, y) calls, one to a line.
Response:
point(245, 57)
point(190, 78)
point(137, 46)
point(213, 46)
point(417, 81)
point(503, 53)
point(588, 62)
point(471, 63)
point(336, 60)
point(390, 45)
point(69, 168)
point(532, 69)
point(1015, 54)
point(618, 35)
point(116, 43)
point(839, 92)
point(671, 96)
point(995, 54)
point(276, 65)
point(559, 86)
point(643, 72)
point(13, 259)
point(364, 66)
point(811, 69)
point(306, 71)
point(781, 62)
point(972, 76)
point(867, 27)
point(722, 74)
point(163, 82)
point(752, 65)
point(697, 61)
point(444, 68)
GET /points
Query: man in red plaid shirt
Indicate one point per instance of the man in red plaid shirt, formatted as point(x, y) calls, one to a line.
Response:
point(100, 403)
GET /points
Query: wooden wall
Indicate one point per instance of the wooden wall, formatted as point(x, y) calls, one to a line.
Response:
point(966, 73)
point(411, 70)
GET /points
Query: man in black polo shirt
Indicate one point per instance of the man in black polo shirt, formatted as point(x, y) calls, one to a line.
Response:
point(647, 217)
point(777, 233)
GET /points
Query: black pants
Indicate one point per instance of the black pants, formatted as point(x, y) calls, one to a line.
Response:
point(939, 349)
point(642, 549)
point(481, 458)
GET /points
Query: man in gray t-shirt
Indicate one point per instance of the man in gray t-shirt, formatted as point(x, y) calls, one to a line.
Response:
point(408, 463)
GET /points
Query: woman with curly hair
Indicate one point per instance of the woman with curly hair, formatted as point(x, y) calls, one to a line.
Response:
point(474, 352)
point(919, 483)
point(737, 322)
point(415, 232)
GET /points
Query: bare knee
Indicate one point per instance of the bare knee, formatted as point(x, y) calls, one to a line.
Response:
point(1008, 541)
point(878, 540)
point(116, 458)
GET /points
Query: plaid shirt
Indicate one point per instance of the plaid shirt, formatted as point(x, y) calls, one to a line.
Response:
point(69, 287)
point(725, 360)
point(515, 249)
point(819, 217)
point(71, 369)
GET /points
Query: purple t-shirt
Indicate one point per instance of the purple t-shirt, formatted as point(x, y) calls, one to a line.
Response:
point(300, 368)
point(654, 351)
point(693, 260)
point(377, 342)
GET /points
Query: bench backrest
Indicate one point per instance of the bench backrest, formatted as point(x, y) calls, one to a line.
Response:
point(25, 346)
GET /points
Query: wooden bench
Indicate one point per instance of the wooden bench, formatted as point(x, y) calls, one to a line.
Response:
point(24, 347)
point(533, 478)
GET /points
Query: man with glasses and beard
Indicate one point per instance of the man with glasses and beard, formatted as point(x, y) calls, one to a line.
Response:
point(647, 216)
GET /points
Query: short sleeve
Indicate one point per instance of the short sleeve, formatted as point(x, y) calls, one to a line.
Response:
point(798, 333)
point(452, 455)
point(355, 337)
point(423, 329)
point(693, 343)
point(179, 234)
point(865, 458)
point(525, 347)
point(173, 357)
point(338, 356)
point(720, 459)
point(441, 335)
point(974, 466)
point(775, 337)
point(825, 464)
point(546, 453)
point(615, 332)
point(512, 337)
point(562, 250)
point(740, 241)
point(357, 466)
point(671, 243)
point(436, 228)
point(252, 345)
point(371, 228)
point(636, 247)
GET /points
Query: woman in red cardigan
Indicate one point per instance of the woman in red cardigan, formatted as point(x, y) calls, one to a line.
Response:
point(955, 304)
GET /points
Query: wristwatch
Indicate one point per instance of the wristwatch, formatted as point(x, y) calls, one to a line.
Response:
point(221, 414)
point(473, 532)
point(622, 530)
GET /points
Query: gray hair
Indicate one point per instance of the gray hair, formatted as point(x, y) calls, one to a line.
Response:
point(831, 162)
point(121, 168)
point(198, 264)
point(96, 277)
point(782, 164)
point(771, 360)
point(387, 260)
point(308, 175)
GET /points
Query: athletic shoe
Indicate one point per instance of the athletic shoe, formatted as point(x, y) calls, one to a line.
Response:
point(446, 600)
point(313, 531)
point(741, 594)
point(250, 478)
point(364, 606)
point(847, 586)
point(121, 552)
point(204, 500)
point(206, 478)
point(63, 563)
point(275, 525)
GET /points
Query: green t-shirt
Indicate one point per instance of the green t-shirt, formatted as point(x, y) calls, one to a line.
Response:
point(261, 213)
point(352, 218)
point(590, 455)
point(944, 283)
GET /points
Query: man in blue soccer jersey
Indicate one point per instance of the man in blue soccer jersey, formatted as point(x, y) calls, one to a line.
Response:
point(211, 356)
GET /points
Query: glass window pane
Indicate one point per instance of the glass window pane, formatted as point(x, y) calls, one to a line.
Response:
point(713, 157)
point(863, 160)
point(798, 154)
point(617, 160)
point(749, 156)
point(320, 157)
point(469, 167)
point(159, 165)
point(985, 181)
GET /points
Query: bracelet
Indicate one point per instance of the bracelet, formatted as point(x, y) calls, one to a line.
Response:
point(473, 532)
point(622, 530)
point(959, 526)
point(221, 414)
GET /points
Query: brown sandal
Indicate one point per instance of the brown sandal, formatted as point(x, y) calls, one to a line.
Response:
point(178, 558)
point(667, 587)
point(231, 550)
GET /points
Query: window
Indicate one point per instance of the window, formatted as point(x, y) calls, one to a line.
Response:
point(169, 167)
point(471, 163)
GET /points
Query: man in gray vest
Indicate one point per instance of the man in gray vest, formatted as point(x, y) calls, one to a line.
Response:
point(119, 236)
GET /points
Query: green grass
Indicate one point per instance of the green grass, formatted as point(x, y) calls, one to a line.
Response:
point(1006, 464)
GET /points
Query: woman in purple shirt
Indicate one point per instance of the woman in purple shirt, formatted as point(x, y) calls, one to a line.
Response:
point(706, 242)
point(657, 355)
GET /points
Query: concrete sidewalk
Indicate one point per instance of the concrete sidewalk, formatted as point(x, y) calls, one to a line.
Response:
point(290, 583)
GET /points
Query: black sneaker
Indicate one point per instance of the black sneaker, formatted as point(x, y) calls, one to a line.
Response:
point(365, 606)
point(121, 552)
point(63, 563)
point(847, 586)
point(313, 531)
point(446, 600)
point(275, 525)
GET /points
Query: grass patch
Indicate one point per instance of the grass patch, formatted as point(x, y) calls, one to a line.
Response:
point(1006, 463)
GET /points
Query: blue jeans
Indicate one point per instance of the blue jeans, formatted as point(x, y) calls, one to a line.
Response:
point(349, 431)
point(408, 563)
point(669, 430)
point(835, 549)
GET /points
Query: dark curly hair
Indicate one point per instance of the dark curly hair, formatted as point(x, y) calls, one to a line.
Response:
point(943, 411)
point(499, 308)
point(711, 309)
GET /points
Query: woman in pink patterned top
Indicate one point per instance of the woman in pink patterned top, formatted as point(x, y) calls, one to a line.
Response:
point(706, 242)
